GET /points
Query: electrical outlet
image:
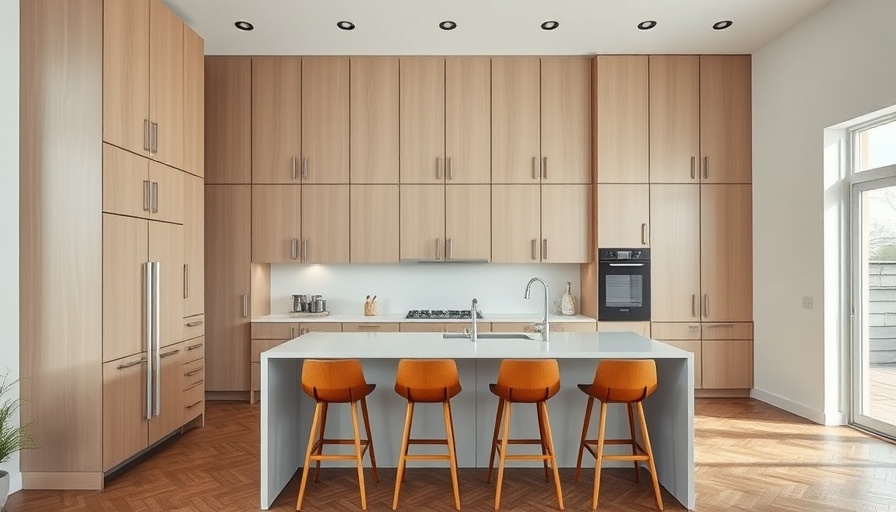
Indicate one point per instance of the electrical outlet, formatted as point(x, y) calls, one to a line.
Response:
point(808, 303)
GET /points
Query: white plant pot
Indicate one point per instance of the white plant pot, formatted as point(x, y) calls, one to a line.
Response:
point(4, 489)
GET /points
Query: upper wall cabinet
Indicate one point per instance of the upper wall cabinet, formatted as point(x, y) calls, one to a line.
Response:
point(143, 79)
point(621, 120)
point(194, 104)
point(700, 119)
point(228, 119)
point(541, 120)
point(276, 119)
point(445, 120)
point(374, 121)
point(325, 119)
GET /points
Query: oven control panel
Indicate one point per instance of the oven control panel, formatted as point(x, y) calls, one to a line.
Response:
point(624, 254)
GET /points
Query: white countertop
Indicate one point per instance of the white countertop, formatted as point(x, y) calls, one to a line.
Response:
point(563, 345)
point(400, 317)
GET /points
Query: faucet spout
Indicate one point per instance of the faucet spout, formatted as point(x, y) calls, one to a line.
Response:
point(544, 327)
point(474, 310)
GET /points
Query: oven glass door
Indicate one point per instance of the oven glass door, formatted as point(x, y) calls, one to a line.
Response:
point(624, 291)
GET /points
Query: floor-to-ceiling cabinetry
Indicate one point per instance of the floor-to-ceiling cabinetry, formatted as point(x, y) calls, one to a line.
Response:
point(111, 184)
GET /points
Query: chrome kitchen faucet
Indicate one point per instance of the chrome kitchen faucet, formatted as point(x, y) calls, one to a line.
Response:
point(544, 327)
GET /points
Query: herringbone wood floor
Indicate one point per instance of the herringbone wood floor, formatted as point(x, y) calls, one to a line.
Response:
point(750, 456)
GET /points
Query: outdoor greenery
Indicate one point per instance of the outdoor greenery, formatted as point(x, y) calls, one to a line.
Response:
point(12, 437)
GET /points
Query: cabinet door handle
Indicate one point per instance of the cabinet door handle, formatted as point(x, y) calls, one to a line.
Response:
point(450, 250)
point(544, 168)
point(187, 282)
point(544, 249)
point(694, 305)
point(133, 363)
point(194, 404)
point(438, 168)
point(154, 196)
point(450, 170)
point(157, 336)
point(534, 249)
point(693, 167)
point(438, 249)
point(304, 250)
point(194, 372)
point(643, 233)
point(292, 331)
point(146, 136)
point(197, 323)
point(154, 138)
point(535, 170)
point(147, 194)
point(303, 330)
point(194, 347)
point(169, 353)
point(705, 167)
point(295, 170)
point(304, 167)
point(245, 305)
point(705, 305)
point(371, 327)
point(295, 248)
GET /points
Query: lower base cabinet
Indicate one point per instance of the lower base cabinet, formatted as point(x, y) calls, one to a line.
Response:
point(723, 352)
point(685, 336)
point(193, 396)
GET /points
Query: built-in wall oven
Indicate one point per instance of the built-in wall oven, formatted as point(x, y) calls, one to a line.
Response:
point(623, 285)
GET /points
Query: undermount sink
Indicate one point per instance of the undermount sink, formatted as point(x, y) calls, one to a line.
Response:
point(489, 336)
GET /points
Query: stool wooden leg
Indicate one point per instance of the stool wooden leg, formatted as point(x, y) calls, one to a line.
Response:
point(357, 431)
point(543, 406)
point(491, 457)
point(452, 456)
point(631, 428)
point(649, 450)
point(584, 436)
point(307, 464)
point(503, 455)
point(320, 440)
point(376, 477)
point(541, 436)
point(451, 416)
point(600, 454)
point(404, 453)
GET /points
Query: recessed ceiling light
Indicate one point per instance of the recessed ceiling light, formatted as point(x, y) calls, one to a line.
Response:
point(244, 25)
point(550, 25)
point(345, 25)
point(646, 25)
point(447, 25)
point(722, 25)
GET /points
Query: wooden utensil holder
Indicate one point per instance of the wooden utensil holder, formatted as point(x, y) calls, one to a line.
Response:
point(370, 309)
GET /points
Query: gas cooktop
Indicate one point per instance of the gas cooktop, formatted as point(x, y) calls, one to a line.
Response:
point(442, 314)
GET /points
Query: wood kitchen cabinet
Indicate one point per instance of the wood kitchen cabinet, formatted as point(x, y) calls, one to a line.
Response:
point(541, 120)
point(374, 120)
point(374, 225)
point(701, 257)
point(445, 109)
point(325, 120)
point(623, 215)
point(194, 103)
point(370, 327)
point(727, 353)
point(228, 120)
point(138, 187)
point(621, 120)
point(686, 336)
point(193, 380)
point(143, 79)
point(228, 220)
point(445, 222)
point(276, 120)
point(194, 246)
point(300, 224)
point(700, 119)
point(443, 326)
point(548, 223)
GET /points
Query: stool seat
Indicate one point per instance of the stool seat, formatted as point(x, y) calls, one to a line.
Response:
point(427, 381)
point(619, 381)
point(525, 381)
point(336, 381)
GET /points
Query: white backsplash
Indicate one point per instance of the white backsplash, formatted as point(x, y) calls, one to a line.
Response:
point(403, 286)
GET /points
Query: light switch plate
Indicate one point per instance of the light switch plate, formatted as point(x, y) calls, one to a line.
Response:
point(808, 303)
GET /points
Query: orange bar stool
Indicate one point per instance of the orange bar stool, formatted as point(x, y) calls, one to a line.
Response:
point(629, 383)
point(336, 381)
point(525, 381)
point(427, 381)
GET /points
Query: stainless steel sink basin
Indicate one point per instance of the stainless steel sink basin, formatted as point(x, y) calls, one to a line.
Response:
point(490, 336)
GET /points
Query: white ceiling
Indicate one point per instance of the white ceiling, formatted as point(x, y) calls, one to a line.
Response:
point(489, 27)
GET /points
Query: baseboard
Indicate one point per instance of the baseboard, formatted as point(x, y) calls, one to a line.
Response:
point(799, 409)
point(238, 396)
point(721, 393)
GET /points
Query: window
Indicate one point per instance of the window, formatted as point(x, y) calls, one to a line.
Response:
point(874, 145)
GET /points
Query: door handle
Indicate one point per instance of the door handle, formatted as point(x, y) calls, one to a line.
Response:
point(295, 248)
point(693, 167)
point(544, 168)
point(304, 250)
point(194, 347)
point(544, 249)
point(146, 136)
point(450, 170)
point(147, 195)
point(438, 168)
point(535, 170)
point(304, 167)
point(450, 250)
point(694, 305)
point(705, 305)
point(187, 281)
point(534, 249)
point(154, 138)
point(154, 196)
point(438, 249)
point(295, 170)
point(157, 330)
point(147, 286)
point(133, 363)
point(643, 234)
point(197, 323)
point(245, 305)
point(705, 167)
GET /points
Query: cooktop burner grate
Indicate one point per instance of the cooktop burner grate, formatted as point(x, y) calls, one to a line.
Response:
point(442, 314)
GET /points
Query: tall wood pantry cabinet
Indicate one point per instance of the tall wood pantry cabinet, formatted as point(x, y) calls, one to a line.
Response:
point(111, 250)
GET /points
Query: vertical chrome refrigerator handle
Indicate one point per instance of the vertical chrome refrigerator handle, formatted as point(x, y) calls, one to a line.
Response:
point(147, 289)
point(157, 329)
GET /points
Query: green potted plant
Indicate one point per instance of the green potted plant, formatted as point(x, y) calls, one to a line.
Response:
point(12, 437)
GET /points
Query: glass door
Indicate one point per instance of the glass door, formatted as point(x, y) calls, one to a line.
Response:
point(874, 305)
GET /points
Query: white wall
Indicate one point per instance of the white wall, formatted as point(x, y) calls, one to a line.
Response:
point(833, 67)
point(9, 204)
point(400, 287)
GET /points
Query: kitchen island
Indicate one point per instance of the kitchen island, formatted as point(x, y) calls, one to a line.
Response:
point(286, 411)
